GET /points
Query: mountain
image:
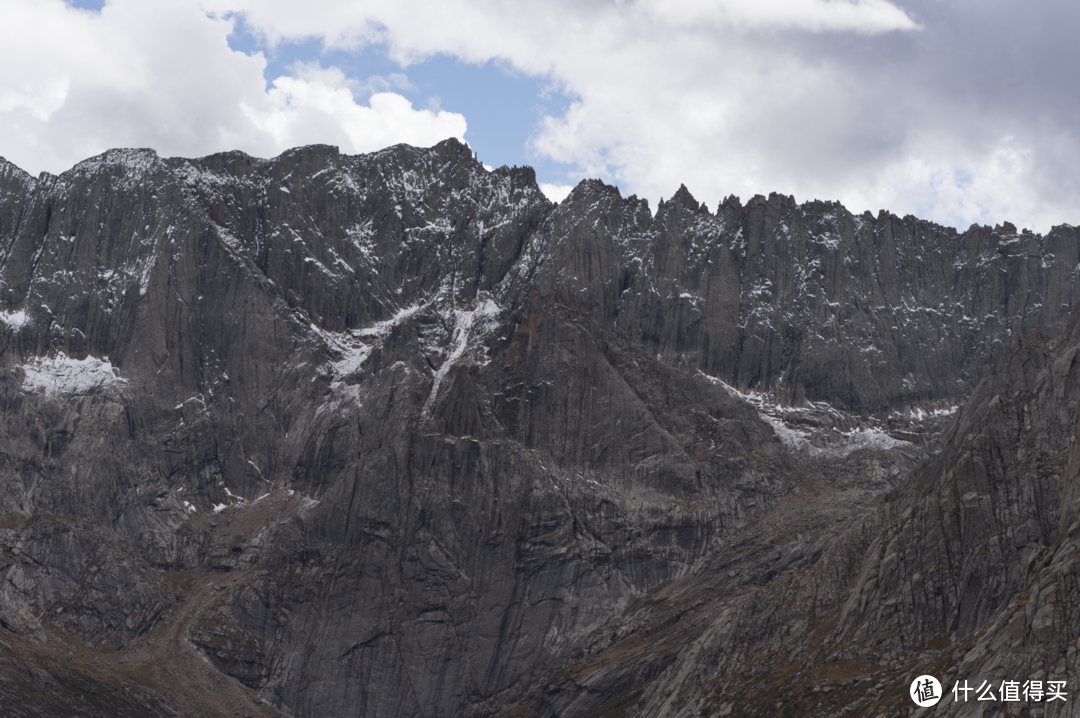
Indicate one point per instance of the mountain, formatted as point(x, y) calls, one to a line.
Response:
point(393, 435)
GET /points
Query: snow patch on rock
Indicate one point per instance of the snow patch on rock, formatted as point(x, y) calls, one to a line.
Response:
point(14, 320)
point(469, 329)
point(61, 374)
point(802, 439)
point(354, 347)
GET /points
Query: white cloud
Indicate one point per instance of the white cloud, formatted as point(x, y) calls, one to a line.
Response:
point(40, 102)
point(463, 28)
point(317, 105)
point(556, 192)
point(996, 183)
point(863, 16)
point(75, 83)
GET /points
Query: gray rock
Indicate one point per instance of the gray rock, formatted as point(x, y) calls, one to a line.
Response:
point(454, 442)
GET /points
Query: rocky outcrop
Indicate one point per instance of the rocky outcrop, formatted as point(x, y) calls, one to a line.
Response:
point(965, 570)
point(443, 433)
point(810, 302)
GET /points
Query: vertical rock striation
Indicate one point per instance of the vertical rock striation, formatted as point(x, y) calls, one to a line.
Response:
point(444, 432)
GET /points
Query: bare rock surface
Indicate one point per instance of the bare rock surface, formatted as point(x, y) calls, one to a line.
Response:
point(964, 569)
point(393, 435)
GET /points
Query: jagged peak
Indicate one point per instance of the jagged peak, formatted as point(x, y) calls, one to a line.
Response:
point(227, 155)
point(640, 202)
point(10, 169)
point(822, 204)
point(231, 162)
point(455, 150)
point(754, 202)
point(523, 177)
point(590, 188)
point(311, 151)
point(452, 143)
point(731, 204)
point(134, 163)
point(684, 199)
point(122, 156)
point(599, 193)
point(450, 149)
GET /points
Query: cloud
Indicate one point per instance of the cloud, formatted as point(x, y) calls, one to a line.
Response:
point(875, 103)
point(421, 28)
point(862, 16)
point(317, 105)
point(74, 83)
point(556, 192)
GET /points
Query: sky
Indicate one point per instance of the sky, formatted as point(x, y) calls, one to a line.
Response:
point(958, 111)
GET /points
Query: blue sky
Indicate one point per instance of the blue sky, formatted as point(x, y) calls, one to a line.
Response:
point(958, 111)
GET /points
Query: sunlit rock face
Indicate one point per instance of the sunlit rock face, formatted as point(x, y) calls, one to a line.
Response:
point(393, 435)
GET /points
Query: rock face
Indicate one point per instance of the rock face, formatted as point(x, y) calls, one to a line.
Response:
point(965, 570)
point(392, 435)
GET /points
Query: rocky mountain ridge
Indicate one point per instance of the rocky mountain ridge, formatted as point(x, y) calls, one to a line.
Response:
point(418, 442)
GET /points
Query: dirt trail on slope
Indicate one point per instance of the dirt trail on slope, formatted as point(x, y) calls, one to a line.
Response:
point(169, 662)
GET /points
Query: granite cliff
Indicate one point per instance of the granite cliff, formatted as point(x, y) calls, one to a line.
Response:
point(393, 435)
